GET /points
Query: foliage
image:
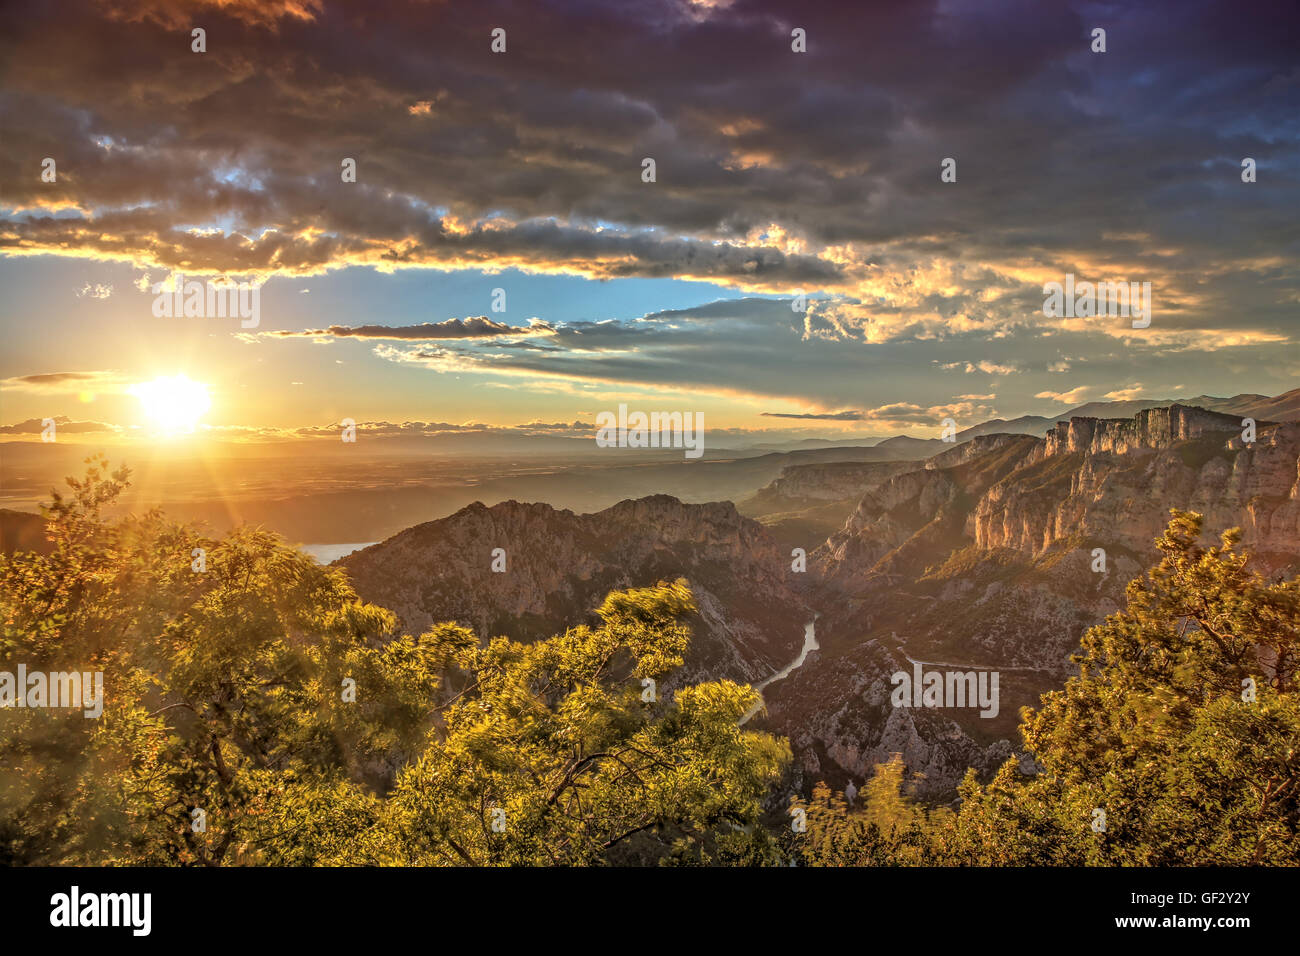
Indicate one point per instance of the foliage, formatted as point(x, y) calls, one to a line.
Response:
point(254, 686)
point(225, 693)
point(1161, 731)
point(1157, 753)
point(887, 828)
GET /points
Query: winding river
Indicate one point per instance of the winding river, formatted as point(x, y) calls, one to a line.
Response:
point(809, 644)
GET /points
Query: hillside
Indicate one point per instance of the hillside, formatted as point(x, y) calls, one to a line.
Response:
point(984, 558)
point(559, 565)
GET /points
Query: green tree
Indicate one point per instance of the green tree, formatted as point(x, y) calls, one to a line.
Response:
point(1176, 744)
point(887, 828)
point(260, 691)
point(1180, 734)
point(550, 755)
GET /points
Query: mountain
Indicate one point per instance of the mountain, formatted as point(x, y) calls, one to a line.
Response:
point(984, 559)
point(806, 503)
point(1280, 408)
point(804, 444)
point(980, 557)
point(829, 481)
point(560, 565)
point(320, 491)
point(1024, 425)
point(1117, 409)
point(904, 446)
point(1124, 475)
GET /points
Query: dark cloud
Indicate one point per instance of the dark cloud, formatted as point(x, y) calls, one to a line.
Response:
point(775, 171)
point(846, 416)
point(578, 426)
point(384, 429)
point(63, 381)
point(476, 327)
point(757, 349)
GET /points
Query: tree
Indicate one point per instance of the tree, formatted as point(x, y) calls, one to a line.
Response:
point(549, 754)
point(1177, 742)
point(888, 829)
point(256, 711)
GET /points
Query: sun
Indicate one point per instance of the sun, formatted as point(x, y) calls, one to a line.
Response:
point(174, 404)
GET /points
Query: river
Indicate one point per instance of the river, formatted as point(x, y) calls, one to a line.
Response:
point(809, 644)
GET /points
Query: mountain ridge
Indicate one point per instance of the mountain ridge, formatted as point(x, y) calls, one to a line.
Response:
point(560, 565)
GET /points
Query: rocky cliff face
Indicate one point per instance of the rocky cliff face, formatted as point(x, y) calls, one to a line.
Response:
point(919, 515)
point(983, 559)
point(808, 502)
point(1114, 482)
point(969, 450)
point(1148, 430)
point(559, 565)
point(834, 481)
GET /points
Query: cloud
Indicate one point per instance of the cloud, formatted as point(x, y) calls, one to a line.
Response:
point(386, 429)
point(574, 426)
point(907, 414)
point(776, 172)
point(1073, 397)
point(477, 327)
point(63, 425)
point(845, 416)
point(68, 383)
point(169, 14)
point(726, 349)
point(1126, 394)
point(988, 368)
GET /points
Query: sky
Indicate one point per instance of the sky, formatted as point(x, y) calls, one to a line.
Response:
point(502, 260)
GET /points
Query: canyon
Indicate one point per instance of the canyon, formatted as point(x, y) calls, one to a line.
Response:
point(980, 553)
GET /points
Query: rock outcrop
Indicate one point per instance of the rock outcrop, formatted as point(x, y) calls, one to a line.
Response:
point(833, 481)
point(1114, 481)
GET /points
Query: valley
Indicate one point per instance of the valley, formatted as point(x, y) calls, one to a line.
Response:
point(977, 554)
point(978, 557)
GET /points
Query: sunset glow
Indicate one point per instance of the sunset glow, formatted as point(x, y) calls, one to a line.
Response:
point(173, 405)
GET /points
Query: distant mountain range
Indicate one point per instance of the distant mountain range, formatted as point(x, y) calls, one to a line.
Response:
point(322, 492)
point(1280, 408)
point(1285, 407)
